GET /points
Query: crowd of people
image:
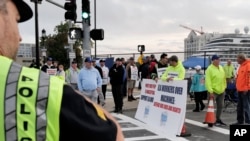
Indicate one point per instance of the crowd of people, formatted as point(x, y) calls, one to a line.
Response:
point(216, 82)
point(92, 80)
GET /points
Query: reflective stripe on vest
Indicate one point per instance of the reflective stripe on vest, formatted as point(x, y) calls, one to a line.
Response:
point(53, 109)
point(28, 112)
point(5, 66)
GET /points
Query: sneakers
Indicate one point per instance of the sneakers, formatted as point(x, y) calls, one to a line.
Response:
point(219, 123)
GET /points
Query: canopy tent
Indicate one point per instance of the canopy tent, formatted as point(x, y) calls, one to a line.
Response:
point(191, 62)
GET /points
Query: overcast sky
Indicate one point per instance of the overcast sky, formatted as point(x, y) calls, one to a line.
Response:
point(154, 23)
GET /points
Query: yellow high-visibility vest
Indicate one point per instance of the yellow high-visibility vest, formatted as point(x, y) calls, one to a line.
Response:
point(140, 59)
point(30, 103)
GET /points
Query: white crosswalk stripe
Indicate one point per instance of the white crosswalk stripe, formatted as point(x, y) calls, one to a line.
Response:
point(135, 130)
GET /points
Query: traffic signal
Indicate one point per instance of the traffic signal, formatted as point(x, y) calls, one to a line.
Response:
point(75, 33)
point(97, 34)
point(141, 48)
point(70, 14)
point(85, 10)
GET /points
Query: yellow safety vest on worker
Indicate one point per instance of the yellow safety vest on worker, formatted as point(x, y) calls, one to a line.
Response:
point(30, 103)
point(140, 59)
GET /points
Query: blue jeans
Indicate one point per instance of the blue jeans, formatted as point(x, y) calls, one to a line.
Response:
point(243, 107)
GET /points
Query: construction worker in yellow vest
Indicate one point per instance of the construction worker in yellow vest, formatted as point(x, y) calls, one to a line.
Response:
point(35, 106)
point(229, 71)
point(140, 59)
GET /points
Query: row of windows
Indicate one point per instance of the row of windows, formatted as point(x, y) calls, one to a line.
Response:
point(232, 45)
point(25, 50)
point(223, 40)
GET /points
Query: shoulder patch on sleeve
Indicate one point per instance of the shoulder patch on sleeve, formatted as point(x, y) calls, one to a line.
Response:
point(100, 112)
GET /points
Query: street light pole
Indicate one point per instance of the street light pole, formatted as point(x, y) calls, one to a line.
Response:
point(37, 35)
point(95, 23)
point(86, 30)
point(36, 2)
point(44, 48)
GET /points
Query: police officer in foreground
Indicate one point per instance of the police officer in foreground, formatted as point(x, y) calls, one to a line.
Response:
point(37, 107)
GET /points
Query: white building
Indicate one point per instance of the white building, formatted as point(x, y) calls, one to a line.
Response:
point(195, 42)
point(26, 53)
point(26, 50)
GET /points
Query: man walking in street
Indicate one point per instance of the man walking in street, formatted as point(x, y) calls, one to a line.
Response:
point(215, 82)
point(89, 80)
point(243, 87)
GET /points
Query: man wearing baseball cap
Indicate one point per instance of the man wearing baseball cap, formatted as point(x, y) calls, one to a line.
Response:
point(215, 82)
point(36, 106)
point(199, 89)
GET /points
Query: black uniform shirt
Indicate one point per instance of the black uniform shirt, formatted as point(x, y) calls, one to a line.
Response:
point(79, 120)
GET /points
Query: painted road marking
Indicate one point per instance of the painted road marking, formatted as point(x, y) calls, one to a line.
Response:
point(143, 138)
point(132, 128)
point(214, 128)
point(159, 135)
point(140, 125)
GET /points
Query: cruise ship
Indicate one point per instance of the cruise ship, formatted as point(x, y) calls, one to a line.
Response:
point(227, 46)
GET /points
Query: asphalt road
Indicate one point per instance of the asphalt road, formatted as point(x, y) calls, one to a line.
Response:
point(135, 130)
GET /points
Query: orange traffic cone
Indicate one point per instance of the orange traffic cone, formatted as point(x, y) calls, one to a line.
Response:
point(184, 132)
point(210, 116)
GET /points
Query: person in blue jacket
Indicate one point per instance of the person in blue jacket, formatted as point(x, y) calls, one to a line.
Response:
point(199, 89)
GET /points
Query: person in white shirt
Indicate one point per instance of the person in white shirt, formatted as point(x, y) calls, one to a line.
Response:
point(132, 77)
point(105, 79)
point(72, 75)
point(61, 73)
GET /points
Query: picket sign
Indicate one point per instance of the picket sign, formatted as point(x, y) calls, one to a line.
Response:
point(162, 105)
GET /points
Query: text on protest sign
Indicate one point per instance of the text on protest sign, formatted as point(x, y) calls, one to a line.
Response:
point(163, 105)
point(149, 90)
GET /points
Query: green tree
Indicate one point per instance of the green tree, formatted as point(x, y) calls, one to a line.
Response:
point(77, 47)
point(55, 45)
